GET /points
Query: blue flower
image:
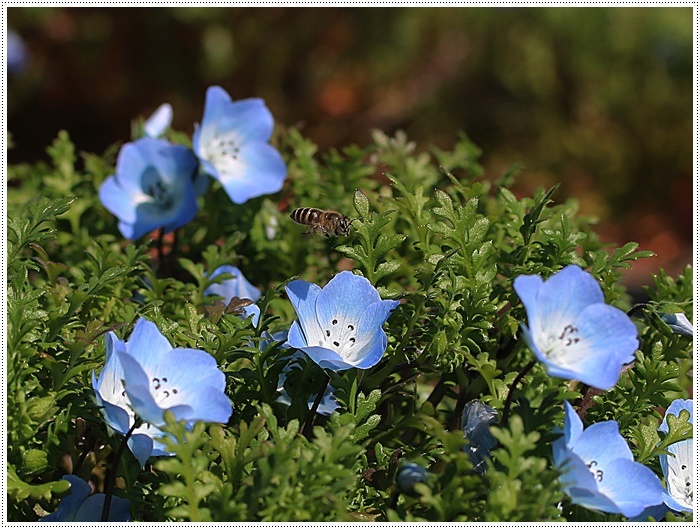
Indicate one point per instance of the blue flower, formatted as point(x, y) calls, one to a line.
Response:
point(476, 419)
point(340, 325)
point(238, 286)
point(232, 144)
point(678, 322)
point(158, 378)
point(79, 506)
point(16, 52)
point(679, 468)
point(599, 471)
point(408, 476)
point(571, 329)
point(160, 121)
point(153, 187)
point(328, 403)
point(116, 408)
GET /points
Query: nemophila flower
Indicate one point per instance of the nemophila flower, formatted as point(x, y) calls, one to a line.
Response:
point(160, 121)
point(476, 419)
point(599, 471)
point(572, 331)
point(158, 378)
point(79, 506)
point(408, 476)
point(236, 287)
point(152, 188)
point(232, 144)
point(116, 408)
point(16, 52)
point(328, 403)
point(678, 322)
point(679, 467)
point(340, 325)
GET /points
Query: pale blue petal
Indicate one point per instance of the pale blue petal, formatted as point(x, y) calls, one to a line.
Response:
point(91, 509)
point(592, 499)
point(303, 296)
point(675, 409)
point(208, 404)
point(129, 231)
point(258, 170)
point(147, 346)
point(656, 513)
point(573, 426)
point(141, 446)
point(326, 358)
point(631, 486)
point(679, 323)
point(345, 297)
point(238, 286)
point(249, 118)
point(296, 338)
point(575, 474)
point(528, 288)
point(118, 202)
point(607, 341)
point(603, 443)
point(159, 121)
point(370, 338)
point(560, 298)
point(70, 504)
point(375, 353)
point(116, 417)
point(189, 384)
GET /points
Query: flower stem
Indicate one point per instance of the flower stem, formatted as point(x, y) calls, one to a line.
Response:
point(511, 391)
point(112, 476)
point(308, 425)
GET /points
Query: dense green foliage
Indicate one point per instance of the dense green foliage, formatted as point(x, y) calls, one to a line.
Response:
point(431, 230)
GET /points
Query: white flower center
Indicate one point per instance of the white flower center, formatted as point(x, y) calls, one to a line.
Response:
point(680, 483)
point(162, 390)
point(222, 150)
point(339, 336)
point(557, 342)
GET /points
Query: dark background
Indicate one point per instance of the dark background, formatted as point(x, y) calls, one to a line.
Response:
point(599, 99)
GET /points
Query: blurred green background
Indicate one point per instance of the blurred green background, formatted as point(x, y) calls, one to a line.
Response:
point(599, 99)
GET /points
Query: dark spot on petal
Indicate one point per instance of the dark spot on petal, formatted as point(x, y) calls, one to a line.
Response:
point(684, 467)
point(174, 391)
point(352, 340)
point(167, 394)
point(336, 344)
point(335, 322)
point(165, 379)
point(328, 333)
point(351, 327)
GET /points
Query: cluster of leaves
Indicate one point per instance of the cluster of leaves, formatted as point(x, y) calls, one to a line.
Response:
point(429, 229)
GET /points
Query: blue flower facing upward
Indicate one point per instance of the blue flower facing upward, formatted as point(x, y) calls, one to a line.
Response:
point(158, 378)
point(153, 187)
point(233, 146)
point(116, 408)
point(340, 325)
point(79, 506)
point(599, 471)
point(238, 286)
point(572, 331)
point(149, 377)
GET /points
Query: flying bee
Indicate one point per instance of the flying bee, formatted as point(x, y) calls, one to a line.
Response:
point(326, 222)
